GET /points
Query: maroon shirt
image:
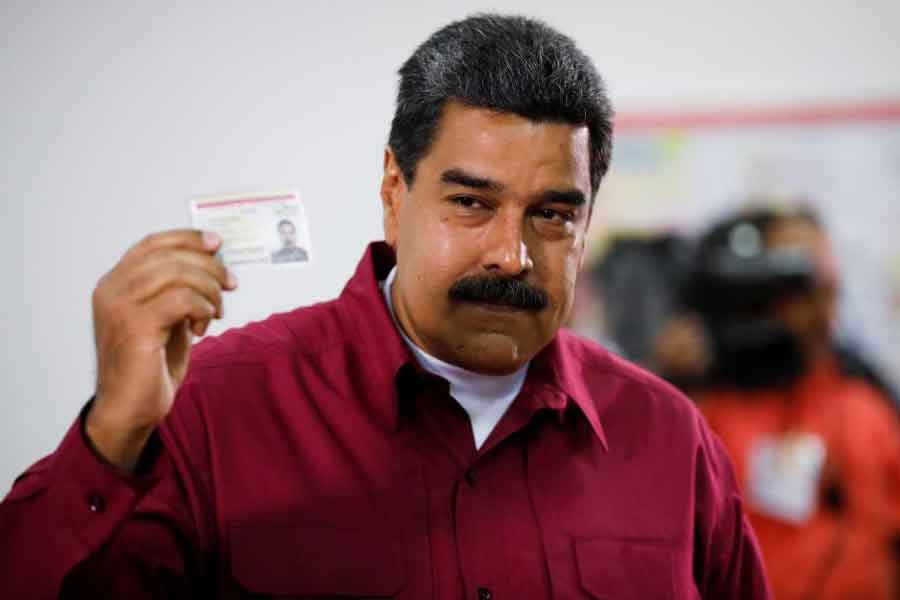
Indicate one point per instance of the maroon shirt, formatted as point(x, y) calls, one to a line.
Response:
point(307, 455)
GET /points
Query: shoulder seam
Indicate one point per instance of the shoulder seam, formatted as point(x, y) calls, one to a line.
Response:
point(233, 359)
point(293, 345)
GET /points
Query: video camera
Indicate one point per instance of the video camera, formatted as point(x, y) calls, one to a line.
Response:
point(733, 284)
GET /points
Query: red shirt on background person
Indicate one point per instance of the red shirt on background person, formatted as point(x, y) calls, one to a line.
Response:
point(312, 454)
point(844, 546)
point(818, 459)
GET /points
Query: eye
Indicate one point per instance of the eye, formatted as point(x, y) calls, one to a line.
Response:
point(553, 216)
point(467, 202)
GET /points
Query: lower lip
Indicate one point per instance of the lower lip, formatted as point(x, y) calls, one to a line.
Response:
point(498, 308)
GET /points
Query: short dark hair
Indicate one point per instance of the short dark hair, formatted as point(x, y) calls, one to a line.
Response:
point(286, 222)
point(505, 63)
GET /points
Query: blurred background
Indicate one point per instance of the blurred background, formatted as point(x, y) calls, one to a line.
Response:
point(678, 175)
point(113, 114)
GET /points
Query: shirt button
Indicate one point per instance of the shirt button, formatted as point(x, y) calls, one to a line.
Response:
point(96, 503)
point(470, 479)
point(484, 594)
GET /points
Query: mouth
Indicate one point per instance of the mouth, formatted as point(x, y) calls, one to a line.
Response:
point(497, 307)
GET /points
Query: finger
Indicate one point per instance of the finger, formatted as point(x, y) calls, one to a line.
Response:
point(137, 281)
point(198, 328)
point(211, 265)
point(206, 242)
point(178, 349)
point(160, 278)
point(175, 305)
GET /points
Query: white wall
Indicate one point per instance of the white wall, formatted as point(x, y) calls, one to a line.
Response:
point(113, 113)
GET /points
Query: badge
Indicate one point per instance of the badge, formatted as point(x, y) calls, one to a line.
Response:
point(783, 476)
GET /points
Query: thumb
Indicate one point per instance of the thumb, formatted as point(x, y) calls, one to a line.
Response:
point(178, 349)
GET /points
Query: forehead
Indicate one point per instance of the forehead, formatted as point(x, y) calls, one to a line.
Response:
point(806, 238)
point(797, 234)
point(510, 149)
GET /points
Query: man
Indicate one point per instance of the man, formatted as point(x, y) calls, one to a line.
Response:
point(429, 434)
point(289, 251)
point(818, 448)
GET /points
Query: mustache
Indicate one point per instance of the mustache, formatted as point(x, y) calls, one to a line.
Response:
point(501, 291)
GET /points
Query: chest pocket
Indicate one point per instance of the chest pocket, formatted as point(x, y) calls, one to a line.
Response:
point(629, 570)
point(315, 562)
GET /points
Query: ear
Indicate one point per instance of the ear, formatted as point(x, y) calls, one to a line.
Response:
point(393, 195)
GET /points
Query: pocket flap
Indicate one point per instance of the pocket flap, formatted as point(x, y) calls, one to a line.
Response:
point(611, 569)
point(311, 560)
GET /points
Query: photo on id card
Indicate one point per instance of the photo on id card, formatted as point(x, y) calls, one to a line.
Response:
point(258, 229)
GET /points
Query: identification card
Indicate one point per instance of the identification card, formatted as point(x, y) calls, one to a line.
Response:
point(265, 229)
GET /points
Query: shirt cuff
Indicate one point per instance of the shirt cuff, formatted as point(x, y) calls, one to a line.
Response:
point(92, 495)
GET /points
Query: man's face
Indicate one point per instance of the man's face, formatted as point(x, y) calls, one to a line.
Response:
point(288, 234)
point(808, 315)
point(497, 198)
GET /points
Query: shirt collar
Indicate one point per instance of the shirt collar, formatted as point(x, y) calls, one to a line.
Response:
point(375, 344)
point(556, 381)
point(554, 376)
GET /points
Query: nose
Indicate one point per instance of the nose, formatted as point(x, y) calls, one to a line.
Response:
point(506, 252)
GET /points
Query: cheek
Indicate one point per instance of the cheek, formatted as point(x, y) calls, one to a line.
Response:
point(569, 281)
point(794, 315)
point(442, 245)
point(435, 254)
point(559, 279)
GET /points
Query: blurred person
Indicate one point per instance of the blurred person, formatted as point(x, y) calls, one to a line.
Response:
point(289, 251)
point(724, 301)
point(430, 433)
point(816, 444)
point(638, 279)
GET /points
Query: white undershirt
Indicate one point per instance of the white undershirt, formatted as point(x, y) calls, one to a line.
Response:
point(484, 397)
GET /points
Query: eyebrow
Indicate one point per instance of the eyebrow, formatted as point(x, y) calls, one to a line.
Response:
point(456, 176)
point(460, 177)
point(571, 197)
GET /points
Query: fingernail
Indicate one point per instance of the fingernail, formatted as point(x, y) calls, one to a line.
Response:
point(230, 279)
point(211, 240)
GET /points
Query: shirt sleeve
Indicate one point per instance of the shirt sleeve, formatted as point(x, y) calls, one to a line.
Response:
point(876, 420)
point(74, 527)
point(731, 564)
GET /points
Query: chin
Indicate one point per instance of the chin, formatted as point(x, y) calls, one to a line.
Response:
point(492, 354)
point(495, 368)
